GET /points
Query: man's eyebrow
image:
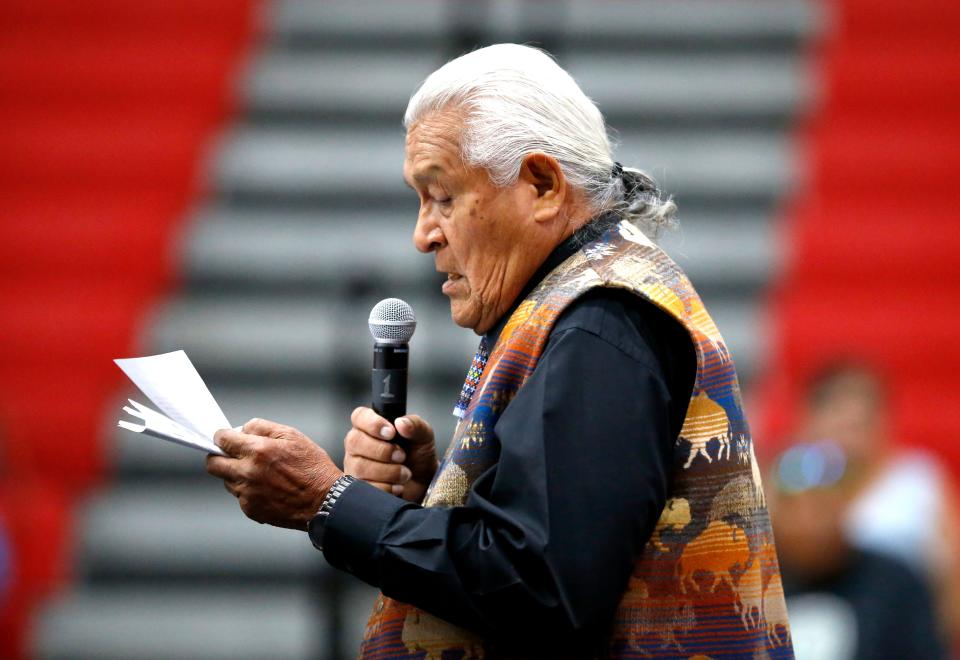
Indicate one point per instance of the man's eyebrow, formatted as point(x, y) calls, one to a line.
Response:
point(428, 176)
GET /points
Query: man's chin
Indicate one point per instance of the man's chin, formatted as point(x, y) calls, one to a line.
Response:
point(463, 316)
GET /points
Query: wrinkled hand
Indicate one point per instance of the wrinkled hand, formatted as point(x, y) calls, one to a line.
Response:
point(405, 472)
point(279, 475)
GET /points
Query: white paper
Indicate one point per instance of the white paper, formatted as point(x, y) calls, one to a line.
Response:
point(190, 416)
point(160, 426)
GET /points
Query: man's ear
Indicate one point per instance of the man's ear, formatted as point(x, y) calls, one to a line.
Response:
point(545, 177)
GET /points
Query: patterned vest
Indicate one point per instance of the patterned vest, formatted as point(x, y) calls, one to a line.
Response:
point(707, 582)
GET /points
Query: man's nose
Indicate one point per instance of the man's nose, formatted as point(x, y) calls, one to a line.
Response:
point(427, 235)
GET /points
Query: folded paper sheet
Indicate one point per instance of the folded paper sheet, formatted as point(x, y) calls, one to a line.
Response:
point(189, 415)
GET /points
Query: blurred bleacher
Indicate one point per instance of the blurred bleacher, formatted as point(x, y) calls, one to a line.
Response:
point(307, 224)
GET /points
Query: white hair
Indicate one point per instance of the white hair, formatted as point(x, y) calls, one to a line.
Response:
point(517, 101)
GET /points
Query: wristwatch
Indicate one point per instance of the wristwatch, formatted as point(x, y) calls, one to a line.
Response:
point(318, 523)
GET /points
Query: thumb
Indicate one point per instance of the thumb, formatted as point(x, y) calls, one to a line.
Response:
point(414, 428)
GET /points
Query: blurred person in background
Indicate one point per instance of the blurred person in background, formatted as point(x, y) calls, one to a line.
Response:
point(845, 602)
point(902, 503)
point(600, 496)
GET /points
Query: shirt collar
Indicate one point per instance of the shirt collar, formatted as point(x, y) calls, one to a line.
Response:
point(586, 234)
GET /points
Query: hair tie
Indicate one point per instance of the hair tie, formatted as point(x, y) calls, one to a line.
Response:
point(617, 171)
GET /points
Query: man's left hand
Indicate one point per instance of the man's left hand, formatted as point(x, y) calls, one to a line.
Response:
point(279, 475)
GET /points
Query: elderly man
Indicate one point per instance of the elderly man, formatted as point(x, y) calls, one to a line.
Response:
point(600, 497)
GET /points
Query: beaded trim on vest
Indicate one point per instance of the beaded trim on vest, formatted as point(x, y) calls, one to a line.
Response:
point(707, 583)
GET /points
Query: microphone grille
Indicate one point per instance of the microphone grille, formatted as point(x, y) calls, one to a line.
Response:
point(392, 321)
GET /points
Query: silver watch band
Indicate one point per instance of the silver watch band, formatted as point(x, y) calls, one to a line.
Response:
point(316, 526)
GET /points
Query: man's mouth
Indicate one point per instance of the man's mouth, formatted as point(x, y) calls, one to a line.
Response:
point(450, 285)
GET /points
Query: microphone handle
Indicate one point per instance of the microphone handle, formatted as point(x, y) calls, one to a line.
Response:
point(389, 381)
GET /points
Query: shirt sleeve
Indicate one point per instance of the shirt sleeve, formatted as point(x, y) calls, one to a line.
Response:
point(548, 536)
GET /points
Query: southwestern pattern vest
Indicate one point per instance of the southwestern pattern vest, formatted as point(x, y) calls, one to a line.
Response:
point(708, 583)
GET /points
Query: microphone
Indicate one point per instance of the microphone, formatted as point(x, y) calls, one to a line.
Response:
point(392, 324)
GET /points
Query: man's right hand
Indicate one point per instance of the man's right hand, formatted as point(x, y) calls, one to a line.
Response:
point(371, 456)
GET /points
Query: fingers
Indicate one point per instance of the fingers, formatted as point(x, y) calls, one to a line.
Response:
point(268, 429)
point(414, 428)
point(232, 488)
point(364, 468)
point(358, 443)
point(223, 467)
point(279, 478)
point(235, 443)
point(371, 423)
point(372, 451)
point(370, 457)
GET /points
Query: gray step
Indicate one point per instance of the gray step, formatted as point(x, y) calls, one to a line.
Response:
point(668, 86)
point(696, 86)
point(736, 252)
point(317, 336)
point(674, 21)
point(727, 165)
point(336, 82)
point(323, 249)
point(326, 250)
point(178, 528)
point(138, 623)
point(598, 20)
point(259, 334)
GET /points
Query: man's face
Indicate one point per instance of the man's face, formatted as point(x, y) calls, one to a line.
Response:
point(484, 237)
point(853, 416)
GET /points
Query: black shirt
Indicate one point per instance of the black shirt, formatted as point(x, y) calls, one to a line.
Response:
point(546, 541)
point(873, 608)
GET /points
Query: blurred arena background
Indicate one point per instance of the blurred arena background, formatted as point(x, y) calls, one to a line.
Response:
point(224, 177)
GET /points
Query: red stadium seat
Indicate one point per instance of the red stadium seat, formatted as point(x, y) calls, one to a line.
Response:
point(106, 109)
